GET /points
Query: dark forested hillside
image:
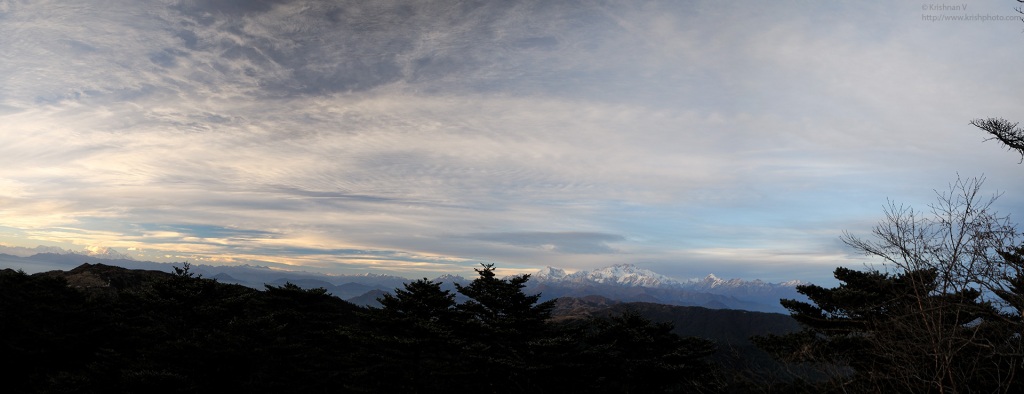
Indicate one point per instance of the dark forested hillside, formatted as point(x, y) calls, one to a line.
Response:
point(726, 326)
point(98, 328)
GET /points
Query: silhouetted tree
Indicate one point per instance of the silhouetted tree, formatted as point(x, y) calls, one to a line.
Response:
point(503, 330)
point(416, 332)
point(501, 305)
point(307, 335)
point(421, 302)
point(894, 333)
point(936, 321)
point(148, 331)
point(1004, 131)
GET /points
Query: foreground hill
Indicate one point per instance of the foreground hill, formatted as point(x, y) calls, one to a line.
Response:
point(725, 326)
point(99, 328)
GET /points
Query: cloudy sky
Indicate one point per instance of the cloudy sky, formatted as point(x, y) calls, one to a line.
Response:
point(424, 137)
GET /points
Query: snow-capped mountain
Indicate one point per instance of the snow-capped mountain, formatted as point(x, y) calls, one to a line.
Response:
point(748, 288)
point(621, 282)
point(627, 275)
point(548, 274)
point(100, 252)
point(633, 276)
point(103, 252)
point(22, 251)
point(449, 278)
point(627, 282)
point(620, 274)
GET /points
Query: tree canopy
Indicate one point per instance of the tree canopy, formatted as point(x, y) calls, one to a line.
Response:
point(941, 314)
point(1004, 131)
point(183, 333)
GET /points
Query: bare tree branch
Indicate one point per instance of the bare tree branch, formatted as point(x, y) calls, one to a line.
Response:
point(1003, 131)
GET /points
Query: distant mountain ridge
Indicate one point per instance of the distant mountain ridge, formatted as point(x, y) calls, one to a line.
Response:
point(627, 275)
point(631, 275)
point(630, 283)
point(101, 252)
point(620, 282)
point(730, 330)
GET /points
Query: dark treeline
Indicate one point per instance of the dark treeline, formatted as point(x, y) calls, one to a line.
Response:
point(116, 330)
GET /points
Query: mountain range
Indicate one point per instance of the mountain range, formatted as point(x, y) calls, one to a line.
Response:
point(731, 330)
point(91, 251)
point(630, 283)
point(621, 282)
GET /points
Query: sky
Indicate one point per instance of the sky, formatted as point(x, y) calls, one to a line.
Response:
point(417, 138)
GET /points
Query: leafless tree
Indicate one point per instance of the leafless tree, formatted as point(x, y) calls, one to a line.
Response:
point(960, 316)
point(959, 237)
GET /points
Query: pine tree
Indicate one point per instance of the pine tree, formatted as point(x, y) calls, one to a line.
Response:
point(504, 329)
point(415, 331)
point(895, 333)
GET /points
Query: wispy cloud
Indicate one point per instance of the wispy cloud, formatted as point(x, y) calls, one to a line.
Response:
point(569, 242)
point(427, 136)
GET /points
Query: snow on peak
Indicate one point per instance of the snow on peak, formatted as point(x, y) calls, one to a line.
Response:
point(633, 276)
point(22, 251)
point(100, 252)
point(710, 280)
point(449, 278)
point(104, 252)
point(626, 275)
point(549, 273)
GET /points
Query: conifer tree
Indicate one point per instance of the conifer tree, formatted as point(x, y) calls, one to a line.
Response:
point(503, 329)
point(501, 305)
point(941, 317)
point(416, 332)
point(420, 302)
